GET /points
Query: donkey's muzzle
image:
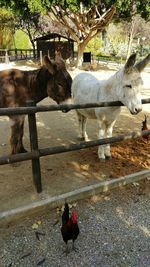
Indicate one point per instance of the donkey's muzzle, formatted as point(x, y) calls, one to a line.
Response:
point(136, 111)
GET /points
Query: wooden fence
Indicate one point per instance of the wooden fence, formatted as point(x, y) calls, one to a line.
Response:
point(36, 153)
point(7, 55)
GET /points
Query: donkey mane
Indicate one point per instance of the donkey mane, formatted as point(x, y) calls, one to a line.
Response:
point(37, 81)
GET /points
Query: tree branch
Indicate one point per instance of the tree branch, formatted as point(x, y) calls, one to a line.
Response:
point(105, 19)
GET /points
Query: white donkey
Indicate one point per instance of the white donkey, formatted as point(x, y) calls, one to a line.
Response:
point(123, 86)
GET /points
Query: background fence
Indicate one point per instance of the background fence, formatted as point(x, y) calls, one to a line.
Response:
point(7, 55)
point(36, 153)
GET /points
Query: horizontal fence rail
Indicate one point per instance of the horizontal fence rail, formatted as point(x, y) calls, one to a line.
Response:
point(62, 107)
point(61, 149)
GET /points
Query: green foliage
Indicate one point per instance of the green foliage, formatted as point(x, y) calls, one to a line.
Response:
point(26, 11)
point(144, 8)
point(125, 8)
point(23, 8)
point(94, 46)
point(25, 15)
point(6, 17)
point(73, 5)
point(117, 40)
point(35, 5)
point(21, 40)
point(6, 28)
point(6, 39)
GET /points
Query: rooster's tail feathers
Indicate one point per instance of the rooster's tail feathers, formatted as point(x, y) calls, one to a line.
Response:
point(65, 215)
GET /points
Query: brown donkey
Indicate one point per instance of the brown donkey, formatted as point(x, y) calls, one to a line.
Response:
point(16, 87)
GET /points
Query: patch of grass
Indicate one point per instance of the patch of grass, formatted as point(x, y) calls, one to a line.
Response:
point(22, 40)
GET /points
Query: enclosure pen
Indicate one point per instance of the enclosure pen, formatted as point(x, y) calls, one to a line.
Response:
point(36, 153)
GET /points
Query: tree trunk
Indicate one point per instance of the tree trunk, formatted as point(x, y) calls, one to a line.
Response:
point(33, 45)
point(32, 41)
point(104, 38)
point(81, 48)
point(80, 54)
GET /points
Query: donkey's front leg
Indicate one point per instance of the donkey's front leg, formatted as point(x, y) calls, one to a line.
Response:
point(101, 149)
point(17, 130)
point(82, 127)
point(108, 134)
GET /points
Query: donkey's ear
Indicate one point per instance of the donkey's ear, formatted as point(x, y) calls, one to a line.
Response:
point(142, 64)
point(58, 55)
point(49, 65)
point(130, 63)
point(59, 59)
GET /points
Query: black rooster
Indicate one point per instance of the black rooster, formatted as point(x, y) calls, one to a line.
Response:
point(69, 229)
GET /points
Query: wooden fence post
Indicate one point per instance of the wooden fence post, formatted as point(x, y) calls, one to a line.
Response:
point(6, 57)
point(36, 168)
point(41, 57)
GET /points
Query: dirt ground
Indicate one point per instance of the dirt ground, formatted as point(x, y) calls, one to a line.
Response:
point(114, 232)
point(68, 171)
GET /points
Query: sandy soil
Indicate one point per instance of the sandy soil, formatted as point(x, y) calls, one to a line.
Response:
point(114, 232)
point(68, 171)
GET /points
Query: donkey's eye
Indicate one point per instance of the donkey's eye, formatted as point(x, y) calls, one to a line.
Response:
point(129, 86)
point(59, 84)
